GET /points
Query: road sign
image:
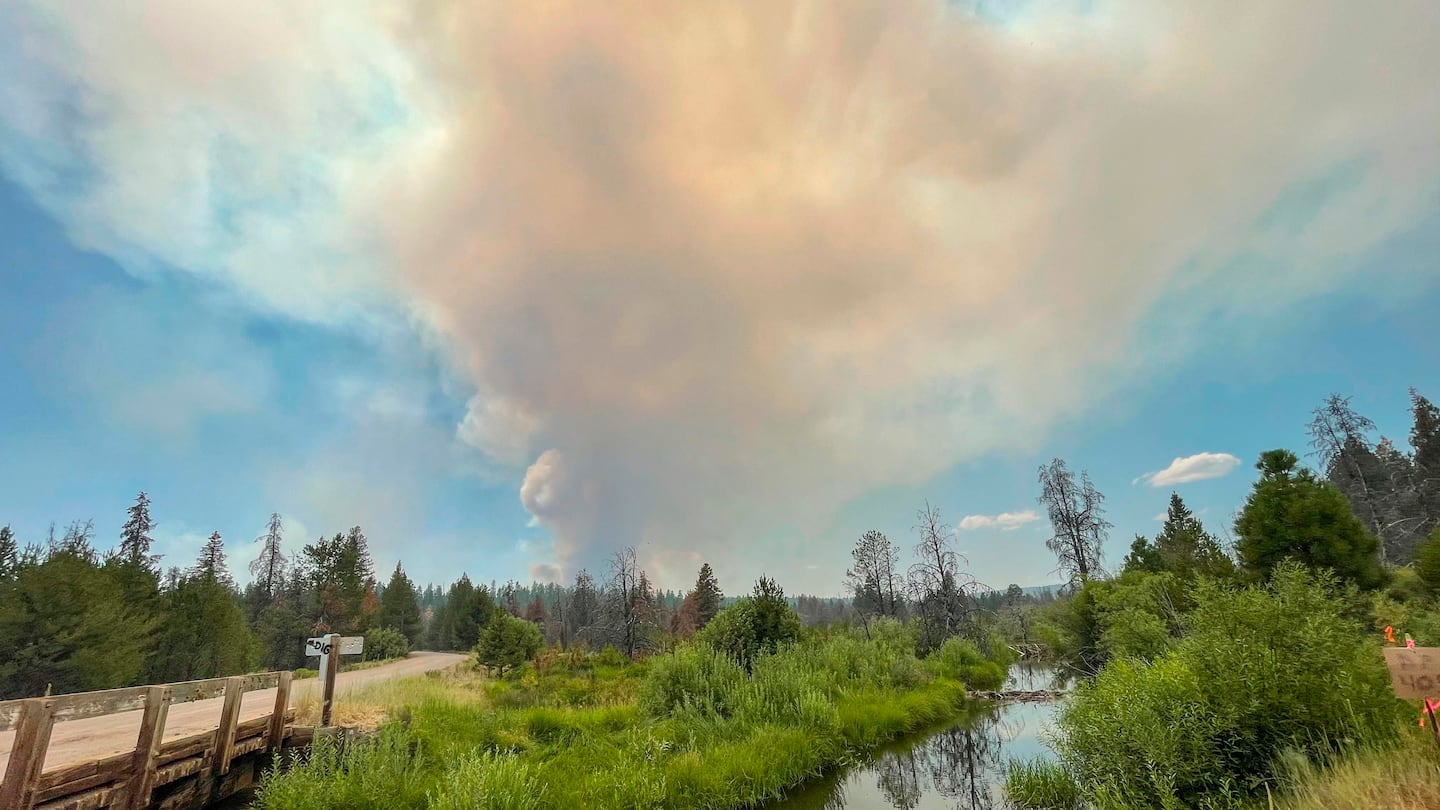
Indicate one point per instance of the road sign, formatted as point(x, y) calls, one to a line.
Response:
point(349, 645)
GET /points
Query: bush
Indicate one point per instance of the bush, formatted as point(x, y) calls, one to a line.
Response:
point(1427, 562)
point(961, 660)
point(754, 626)
point(492, 781)
point(385, 643)
point(508, 642)
point(1264, 670)
point(696, 677)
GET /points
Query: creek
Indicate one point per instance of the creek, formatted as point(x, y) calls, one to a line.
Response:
point(959, 765)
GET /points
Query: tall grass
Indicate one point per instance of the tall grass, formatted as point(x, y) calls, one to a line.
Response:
point(687, 730)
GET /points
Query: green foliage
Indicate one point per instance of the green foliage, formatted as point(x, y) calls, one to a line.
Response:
point(707, 596)
point(380, 771)
point(1042, 785)
point(508, 641)
point(813, 705)
point(493, 781)
point(759, 624)
point(203, 632)
point(1290, 515)
point(961, 660)
point(1143, 556)
point(66, 625)
point(400, 606)
point(1263, 671)
point(385, 643)
point(694, 678)
point(1427, 562)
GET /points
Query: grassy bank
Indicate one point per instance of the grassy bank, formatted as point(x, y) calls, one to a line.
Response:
point(689, 729)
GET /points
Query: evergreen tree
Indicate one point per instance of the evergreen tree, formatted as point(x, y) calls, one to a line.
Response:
point(1289, 514)
point(584, 605)
point(66, 625)
point(1425, 435)
point(211, 567)
point(135, 539)
point(1427, 562)
point(873, 577)
point(507, 642)
point(1185, 548)
point(707, 596)
point(1143, 556)
point(9, 555)
point(400, 606)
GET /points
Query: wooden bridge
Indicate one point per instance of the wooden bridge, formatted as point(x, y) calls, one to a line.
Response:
point(184, 768)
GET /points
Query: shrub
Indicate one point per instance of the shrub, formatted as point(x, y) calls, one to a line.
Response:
point(696, 676)
point(381, 771)
point(759, 624)
point(1427, 562)
point(1264, 670)
point(492, 781)
point(507, 642)
point(384, 643)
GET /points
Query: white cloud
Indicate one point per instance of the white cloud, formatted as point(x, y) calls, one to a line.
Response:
point(1199, 467)
point(1005, 520)
point(1162, 516)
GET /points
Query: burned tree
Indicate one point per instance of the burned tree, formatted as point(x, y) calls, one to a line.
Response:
point(1077, 516)
point(937, 585)
point(627, 616)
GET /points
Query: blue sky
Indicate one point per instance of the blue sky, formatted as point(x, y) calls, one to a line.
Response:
point(515, 308)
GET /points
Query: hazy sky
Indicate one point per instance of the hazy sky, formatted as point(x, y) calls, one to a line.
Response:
point(514, 284)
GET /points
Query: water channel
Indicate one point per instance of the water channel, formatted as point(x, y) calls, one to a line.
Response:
point(956, 766)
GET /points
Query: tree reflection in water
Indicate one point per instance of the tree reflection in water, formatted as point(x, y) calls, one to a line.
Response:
point(957, 768)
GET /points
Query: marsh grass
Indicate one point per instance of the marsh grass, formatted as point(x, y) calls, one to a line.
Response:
point(1406, 777)
point(686, 730)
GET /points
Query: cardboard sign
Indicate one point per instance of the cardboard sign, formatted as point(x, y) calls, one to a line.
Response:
point(1414, 671)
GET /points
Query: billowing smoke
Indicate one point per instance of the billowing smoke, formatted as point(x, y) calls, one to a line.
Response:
point(714, 268)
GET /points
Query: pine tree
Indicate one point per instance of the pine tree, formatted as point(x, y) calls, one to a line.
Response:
point(1425, 435)
point(400, 606)
point(211, 567)
point(584, 605)
point(1185, 548)
point(1143, 556)
point(1292, 515)
point(707, 596)
point(135, 539)
point(9, 555)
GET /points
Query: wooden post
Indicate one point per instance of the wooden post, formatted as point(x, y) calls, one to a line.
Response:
point(147, 746)
point(229, 719)
point(332, 668)
point(276, 735)
point(27, 758)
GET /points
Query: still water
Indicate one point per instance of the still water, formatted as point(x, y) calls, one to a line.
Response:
point(958, 766)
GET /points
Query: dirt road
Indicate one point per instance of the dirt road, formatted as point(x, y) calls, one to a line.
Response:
point(96, 737)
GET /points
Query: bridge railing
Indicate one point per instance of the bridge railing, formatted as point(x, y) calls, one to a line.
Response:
point(127, 780)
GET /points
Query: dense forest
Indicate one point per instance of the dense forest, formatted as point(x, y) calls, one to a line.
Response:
point(73, 618)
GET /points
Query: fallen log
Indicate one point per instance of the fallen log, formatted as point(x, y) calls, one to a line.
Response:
point(1019, 695)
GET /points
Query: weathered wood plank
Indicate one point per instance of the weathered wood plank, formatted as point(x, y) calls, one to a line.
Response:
point(276, 731)
point(190, 691)
point(94, 799)
point(229, 720)
point(107, 773)
point(10, 713)
point(82, 705)
point(147, 745)
point(27, 758)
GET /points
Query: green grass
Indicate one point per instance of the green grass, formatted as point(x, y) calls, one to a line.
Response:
point(687, 730)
